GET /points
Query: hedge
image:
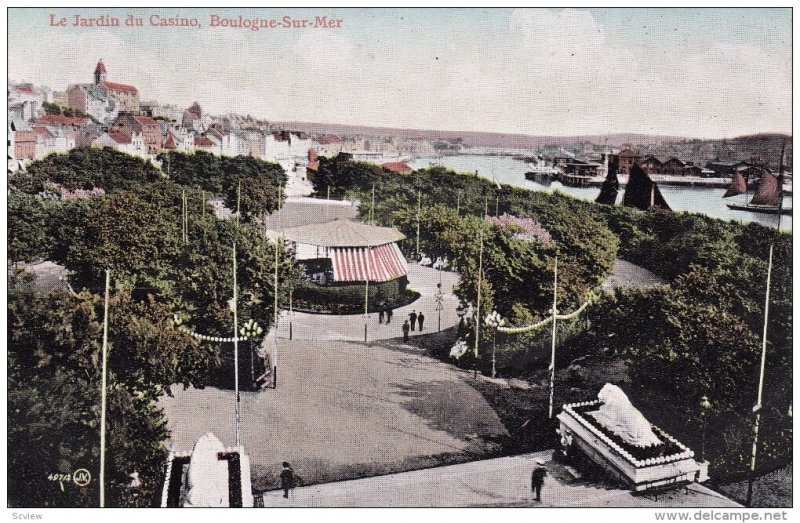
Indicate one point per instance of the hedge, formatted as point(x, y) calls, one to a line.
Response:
point(349, 297)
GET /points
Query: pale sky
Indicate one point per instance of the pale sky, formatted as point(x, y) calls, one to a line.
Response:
point(701, 73)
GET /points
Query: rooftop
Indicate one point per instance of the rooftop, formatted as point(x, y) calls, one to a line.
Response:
point(145, 120)
point(343, 233)
point(398, 167)
point(60, 119)
point(120, 87)
point(119, 137)
point(202, 141)
point(297, 212)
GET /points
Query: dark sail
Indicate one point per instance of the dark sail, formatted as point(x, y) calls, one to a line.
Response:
point(769, 191)
point(609, 189)
point(642, 192)
point(738, 186)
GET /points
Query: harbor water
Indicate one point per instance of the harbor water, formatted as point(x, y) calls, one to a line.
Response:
point(702, 200)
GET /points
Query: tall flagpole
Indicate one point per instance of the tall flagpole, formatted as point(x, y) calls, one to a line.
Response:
point(238, 201)
point(366, 292)
point(553, 348)
point(103, 398)
point(757, 407)
point(184, 217)
point(478, 301)
point(275, 320)
point(236, 345)
point(372, 208)
point(419, 205)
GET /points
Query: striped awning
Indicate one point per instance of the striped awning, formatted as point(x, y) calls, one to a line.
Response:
point(381, 263)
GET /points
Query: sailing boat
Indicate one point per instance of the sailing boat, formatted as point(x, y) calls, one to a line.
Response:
point(769, 195)
point(610, 188)
point(642, 192)
point(768, 198)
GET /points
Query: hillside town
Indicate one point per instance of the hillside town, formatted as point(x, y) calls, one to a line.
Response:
point(105, 113)
point(102, 113)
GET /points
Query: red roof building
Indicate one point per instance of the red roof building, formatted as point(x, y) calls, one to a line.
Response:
point(397, 167)
point(60, 119)
point(202, 141)
point(148, 127)
point(120, 137)
point(626, 160)
point(328, 139)
point(169, 142)
point(127, 96)
point(42, 132)
point(113, 86)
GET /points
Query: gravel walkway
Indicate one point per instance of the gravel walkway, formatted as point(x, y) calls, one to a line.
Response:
point(626, 274)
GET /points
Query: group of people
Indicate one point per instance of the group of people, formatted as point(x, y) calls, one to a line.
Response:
point(409, 325)
point(289, 479)
point(413, 318)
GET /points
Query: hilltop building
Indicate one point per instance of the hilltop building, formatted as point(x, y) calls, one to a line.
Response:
point(102, 99)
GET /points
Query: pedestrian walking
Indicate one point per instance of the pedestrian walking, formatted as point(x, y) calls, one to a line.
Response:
point(537, 480)
point(420, 319)
point(413, 318)
point(388, 315)
point(405, 330)
point(380, 316)
point(287, 479)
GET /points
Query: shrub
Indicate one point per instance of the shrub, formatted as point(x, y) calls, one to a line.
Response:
point(349, 297)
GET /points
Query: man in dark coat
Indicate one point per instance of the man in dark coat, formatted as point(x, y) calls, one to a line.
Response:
point(388, 315)
point(380, 315)
point(287, 479)
point(420, 319)
point(537, 480)
point(413, 318)
point(405, 330)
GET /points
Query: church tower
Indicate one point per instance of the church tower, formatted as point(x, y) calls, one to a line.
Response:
point(100, 72)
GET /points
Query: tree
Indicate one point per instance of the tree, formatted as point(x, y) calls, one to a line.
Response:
point(258, 198)
point(120, 231)
point(28, 218)
point(204, 283)
point(87, 168)
point(51, 108)
point(219, 174)
point(54, 360)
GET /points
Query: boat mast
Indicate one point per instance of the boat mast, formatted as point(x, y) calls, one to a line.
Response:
point(780, 185)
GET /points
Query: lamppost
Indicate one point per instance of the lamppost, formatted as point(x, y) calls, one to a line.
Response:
point(493, 320)
point(439, 305)
point(705, 406)
point(251, 330)
point(553, 348)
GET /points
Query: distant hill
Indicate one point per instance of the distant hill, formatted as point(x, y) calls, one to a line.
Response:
point(476, 139)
